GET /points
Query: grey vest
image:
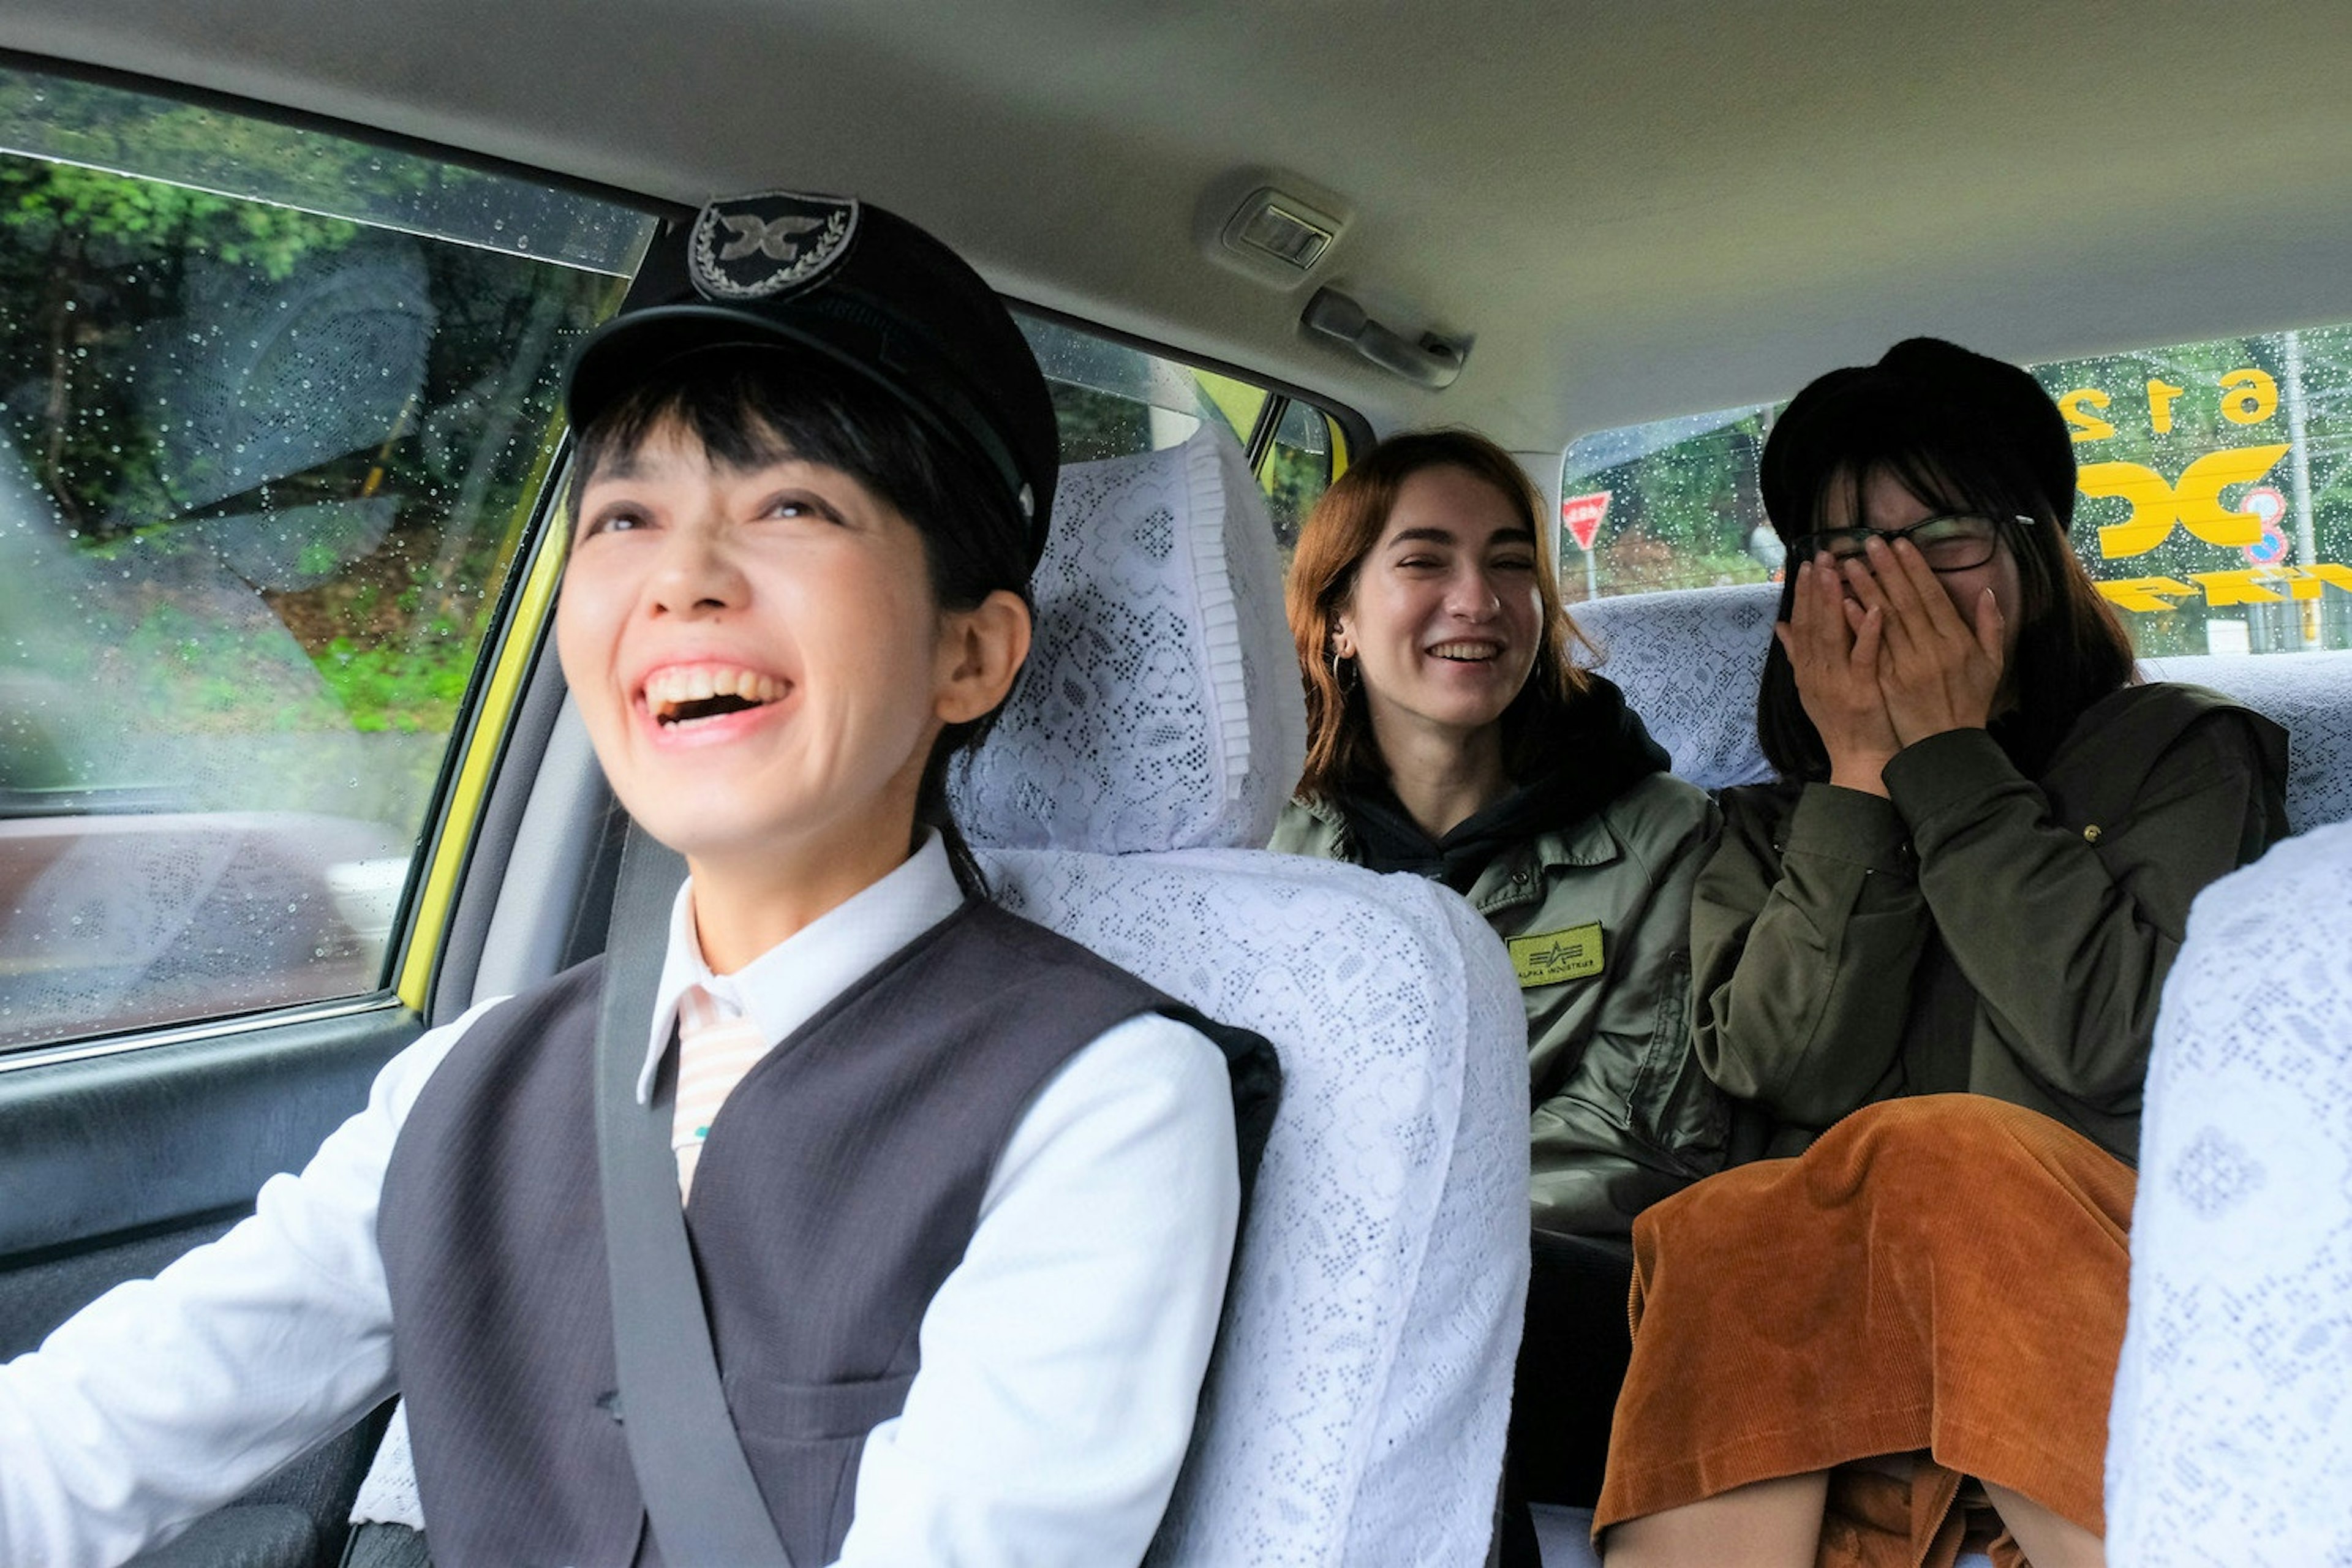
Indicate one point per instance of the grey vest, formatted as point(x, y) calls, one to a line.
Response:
point(839, 1185)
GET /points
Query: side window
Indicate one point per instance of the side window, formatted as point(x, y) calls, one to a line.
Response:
point(1114, 400)
point(274, 410)
point(2214, 508)
point(1307, 452)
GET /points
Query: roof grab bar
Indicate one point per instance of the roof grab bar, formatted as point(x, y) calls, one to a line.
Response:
point(1433, 361)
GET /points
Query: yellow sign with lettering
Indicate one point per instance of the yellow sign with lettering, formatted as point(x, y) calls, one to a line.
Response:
point(2253, 523)
point(2193, 503)
point(1553, 956)
point(2251, 585)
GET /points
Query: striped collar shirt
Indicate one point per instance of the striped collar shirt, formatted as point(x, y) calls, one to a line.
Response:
point(794, 981)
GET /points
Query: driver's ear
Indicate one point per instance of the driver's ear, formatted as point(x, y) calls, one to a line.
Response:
point(980, 651)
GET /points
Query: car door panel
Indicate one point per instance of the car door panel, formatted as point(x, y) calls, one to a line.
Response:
point(191, 1131)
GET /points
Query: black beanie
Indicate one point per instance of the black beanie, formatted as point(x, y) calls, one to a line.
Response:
point(1985, 412)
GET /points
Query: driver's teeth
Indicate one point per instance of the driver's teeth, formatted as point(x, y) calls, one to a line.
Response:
point(669, 688)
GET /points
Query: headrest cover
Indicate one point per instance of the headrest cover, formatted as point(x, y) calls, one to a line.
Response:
point(1689, 661)
point(859, 287)
point(1161, 707)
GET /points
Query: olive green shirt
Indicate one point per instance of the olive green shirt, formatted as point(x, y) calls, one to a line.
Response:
point(1596, 919)
point(1977, 930)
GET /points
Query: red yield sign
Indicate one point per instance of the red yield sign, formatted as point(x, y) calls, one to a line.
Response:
point(1581, 515)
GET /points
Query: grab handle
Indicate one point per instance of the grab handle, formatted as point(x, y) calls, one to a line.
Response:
point(1431, 362)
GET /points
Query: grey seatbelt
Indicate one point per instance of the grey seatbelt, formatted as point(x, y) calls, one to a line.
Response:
point(705, 1507)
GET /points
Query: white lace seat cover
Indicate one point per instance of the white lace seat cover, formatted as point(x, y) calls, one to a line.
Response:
point(1689, 662)
point(2230, 1438)
point(1356, 1409)
point(1354, 1413)
point(1161, 707)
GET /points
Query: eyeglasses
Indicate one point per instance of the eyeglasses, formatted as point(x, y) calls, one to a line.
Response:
point(1952, 541)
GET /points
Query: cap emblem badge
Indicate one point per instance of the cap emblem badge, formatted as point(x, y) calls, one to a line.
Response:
point(760, 247)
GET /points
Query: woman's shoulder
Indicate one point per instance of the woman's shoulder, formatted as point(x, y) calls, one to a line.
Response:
point(1661, 806)
point(1753, 805)
point(2149, 701)
point(1311, 828)
point(2150, 717)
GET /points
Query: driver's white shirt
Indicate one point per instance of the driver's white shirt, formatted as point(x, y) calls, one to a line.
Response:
point(1061, 1360)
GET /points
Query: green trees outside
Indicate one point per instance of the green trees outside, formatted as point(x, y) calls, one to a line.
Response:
point(246, 365)
point(1680, 513)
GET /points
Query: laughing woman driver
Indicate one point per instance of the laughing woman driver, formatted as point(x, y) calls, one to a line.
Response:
point(962, 1236)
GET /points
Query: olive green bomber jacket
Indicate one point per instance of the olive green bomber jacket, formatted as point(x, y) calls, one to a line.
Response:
point(1977, 930)
point(1597, 916)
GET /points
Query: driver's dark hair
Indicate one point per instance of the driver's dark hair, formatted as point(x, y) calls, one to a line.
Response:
point(1962, 433)
point(750, 408)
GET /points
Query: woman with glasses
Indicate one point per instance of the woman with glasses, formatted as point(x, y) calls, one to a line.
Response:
point(1931, 957)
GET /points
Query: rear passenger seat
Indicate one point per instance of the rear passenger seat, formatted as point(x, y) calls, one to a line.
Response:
point(2311, 695)
point(1690, 660)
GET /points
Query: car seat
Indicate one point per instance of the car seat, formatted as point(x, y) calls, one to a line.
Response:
point(2230, 1435)
point(1690, 661)
point(1354, 1411)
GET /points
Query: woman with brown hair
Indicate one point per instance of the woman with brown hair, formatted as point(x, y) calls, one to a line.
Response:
point(1932, 955)
point(1452, 735)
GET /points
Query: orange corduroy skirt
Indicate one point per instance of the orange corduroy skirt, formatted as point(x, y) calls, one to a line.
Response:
point(1941, 1276)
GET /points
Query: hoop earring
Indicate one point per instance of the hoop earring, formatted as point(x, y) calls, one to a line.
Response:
point(1338, 679)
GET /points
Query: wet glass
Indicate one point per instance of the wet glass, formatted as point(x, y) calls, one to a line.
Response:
point(276, 409)
point(1113, 400)
point(2213, 512)
point(1673, 504)
point(1297, 470)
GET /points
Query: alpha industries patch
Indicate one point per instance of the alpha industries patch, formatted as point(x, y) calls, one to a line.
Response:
point(1550, 957)
point(762, 247)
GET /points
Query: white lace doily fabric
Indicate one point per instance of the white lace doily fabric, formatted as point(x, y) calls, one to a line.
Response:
point(1161, 707)
point(388, 1494)
point(2311, 695)
point(1356, 1410)
point(2231, 1439)
point(1690, 661)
